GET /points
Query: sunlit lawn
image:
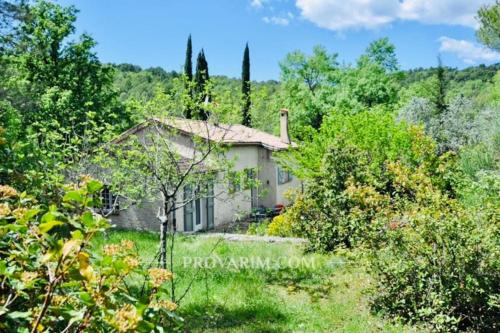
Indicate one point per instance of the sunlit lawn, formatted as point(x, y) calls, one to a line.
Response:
point(327, 295)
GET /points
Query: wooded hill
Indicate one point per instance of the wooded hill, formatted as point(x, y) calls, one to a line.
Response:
point(132, 81)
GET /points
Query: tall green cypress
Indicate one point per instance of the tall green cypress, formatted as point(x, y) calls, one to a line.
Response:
point(188, 72)
point(201, 78)
point(440, 102)
point(245, 87)
point(188, 64)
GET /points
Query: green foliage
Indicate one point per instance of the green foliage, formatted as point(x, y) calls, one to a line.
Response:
point(489, 29)
point(10, 11)
point(188, 72)
point(430, 224)
point(440, 265)
point(188, 63)
point(306, 86)
point(465, 118)
point(367, 85)
point(349, 172)
point(456, 77)
point(54, 281)
point(60, 75)
point(258, 228)
point(201, 88)
point(315, 86)
point(281, 226)
point(374, 132)
point(440, 102)
point(382, 52)
point(134, 83)
point(55, 93)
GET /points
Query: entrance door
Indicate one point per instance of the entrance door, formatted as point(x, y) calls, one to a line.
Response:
point(188, 209)
point(210, 205)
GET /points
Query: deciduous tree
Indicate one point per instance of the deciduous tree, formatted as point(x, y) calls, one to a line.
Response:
point(489, 29)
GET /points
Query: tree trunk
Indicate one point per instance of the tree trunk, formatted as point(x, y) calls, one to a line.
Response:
point(162, 216)
point(163, 245)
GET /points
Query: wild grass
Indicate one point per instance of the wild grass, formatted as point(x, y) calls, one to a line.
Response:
point(324, 294)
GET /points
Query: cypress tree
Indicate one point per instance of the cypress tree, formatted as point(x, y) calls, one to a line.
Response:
point(245, 87)
point(188, 71)
point(441, 93)
point(201, 78)
point(188, 64)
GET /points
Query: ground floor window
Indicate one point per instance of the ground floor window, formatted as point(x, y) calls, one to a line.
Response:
point(110, 202)
point(188, 208)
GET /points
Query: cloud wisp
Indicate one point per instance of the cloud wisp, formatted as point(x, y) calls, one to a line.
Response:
point(257, 3)
point(467, 51)
point(277, 20)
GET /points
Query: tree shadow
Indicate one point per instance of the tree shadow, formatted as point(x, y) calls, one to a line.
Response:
point(254, 317)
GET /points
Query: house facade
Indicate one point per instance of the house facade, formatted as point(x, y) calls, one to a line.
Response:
point(252, 151)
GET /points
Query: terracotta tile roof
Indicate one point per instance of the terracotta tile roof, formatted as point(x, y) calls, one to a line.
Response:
point(234, 134)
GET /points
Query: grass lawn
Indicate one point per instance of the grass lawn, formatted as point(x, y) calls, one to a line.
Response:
point(324, 294)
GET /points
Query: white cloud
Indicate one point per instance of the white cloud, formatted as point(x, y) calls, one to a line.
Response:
point(257, 3)
point(453, 12)
point(341, 15)
point(276, 20)
point(467, 51)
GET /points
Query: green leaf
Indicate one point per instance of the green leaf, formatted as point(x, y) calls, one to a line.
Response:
point(73, 196)
point(19, 314)
point(94, 186)
point(3, 267)
point(86, 298)
point(47, 226)
point(49, 216)
point(88, 219)
point(77, 234)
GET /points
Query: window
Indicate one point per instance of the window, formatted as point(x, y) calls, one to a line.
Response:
point(250, 178)
point(284, 176)
point(210, 204)
point(110, 202)
point(188, 208)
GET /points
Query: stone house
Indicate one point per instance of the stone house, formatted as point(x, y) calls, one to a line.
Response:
point(250, 149)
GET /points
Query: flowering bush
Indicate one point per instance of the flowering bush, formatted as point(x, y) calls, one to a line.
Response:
point(59, 282)
point(280, 226)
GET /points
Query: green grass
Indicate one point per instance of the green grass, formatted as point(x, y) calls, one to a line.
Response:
point(326, 297)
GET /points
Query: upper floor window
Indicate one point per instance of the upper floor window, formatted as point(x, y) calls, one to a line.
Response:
point(284, 176)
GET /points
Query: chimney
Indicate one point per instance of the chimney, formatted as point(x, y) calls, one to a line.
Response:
point(284, 126)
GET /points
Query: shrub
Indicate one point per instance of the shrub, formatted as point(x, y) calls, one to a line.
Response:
point(280, 226)
point(322, 213)
point(350, 190)
point(258, 228)
point(54, 282)
point(441, 266)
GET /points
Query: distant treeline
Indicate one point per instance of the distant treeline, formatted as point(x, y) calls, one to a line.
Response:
point(133, 81)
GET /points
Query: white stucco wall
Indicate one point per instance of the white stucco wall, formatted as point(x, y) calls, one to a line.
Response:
point(282, 189)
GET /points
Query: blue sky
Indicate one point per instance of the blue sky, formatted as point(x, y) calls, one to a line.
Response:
point(154, 32)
